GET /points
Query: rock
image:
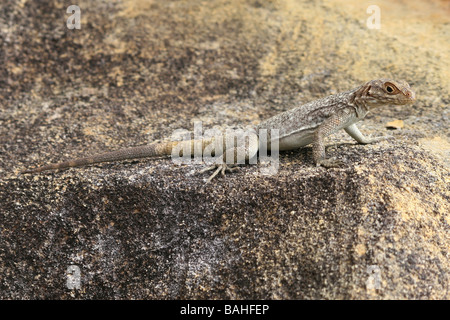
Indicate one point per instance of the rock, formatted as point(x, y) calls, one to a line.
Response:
point(377, 228)
point(395, 124)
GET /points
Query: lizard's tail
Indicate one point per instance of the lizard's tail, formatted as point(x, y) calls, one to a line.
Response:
point(152, 150)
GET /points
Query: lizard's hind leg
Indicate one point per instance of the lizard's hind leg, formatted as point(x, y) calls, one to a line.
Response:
point(239, 148)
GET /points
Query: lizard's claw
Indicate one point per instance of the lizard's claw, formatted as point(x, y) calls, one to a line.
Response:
point(222, 168)
point(330, 163)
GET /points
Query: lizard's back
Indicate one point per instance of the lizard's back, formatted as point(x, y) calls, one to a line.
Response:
point(296, 126)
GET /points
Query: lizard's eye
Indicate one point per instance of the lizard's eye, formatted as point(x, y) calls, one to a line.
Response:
point(390, 88)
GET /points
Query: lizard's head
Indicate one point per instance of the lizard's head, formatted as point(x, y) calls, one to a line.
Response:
point(385, 91)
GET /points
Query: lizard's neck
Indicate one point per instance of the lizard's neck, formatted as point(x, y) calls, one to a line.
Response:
point(358, 101)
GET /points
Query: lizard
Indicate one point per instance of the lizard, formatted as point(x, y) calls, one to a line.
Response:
point(305, 124)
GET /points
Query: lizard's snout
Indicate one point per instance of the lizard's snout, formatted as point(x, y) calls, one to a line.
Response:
point(410, 95)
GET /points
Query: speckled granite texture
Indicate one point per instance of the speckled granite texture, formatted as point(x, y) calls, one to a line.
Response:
point(377, 228)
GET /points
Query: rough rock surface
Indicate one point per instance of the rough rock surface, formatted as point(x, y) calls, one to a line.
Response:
point(377, 228)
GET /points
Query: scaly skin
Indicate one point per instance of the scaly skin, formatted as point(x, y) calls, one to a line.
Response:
point(308, 123)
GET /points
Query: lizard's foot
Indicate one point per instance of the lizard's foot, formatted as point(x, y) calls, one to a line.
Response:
point(330, 163)
point(376, 139)
point(222, 168)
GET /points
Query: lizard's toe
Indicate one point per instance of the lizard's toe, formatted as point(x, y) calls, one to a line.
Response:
point(330, 163)
point(377, 139)
point(222, 168)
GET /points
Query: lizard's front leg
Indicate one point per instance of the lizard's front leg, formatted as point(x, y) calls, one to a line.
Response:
point(354, 132)
point(329, 126)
